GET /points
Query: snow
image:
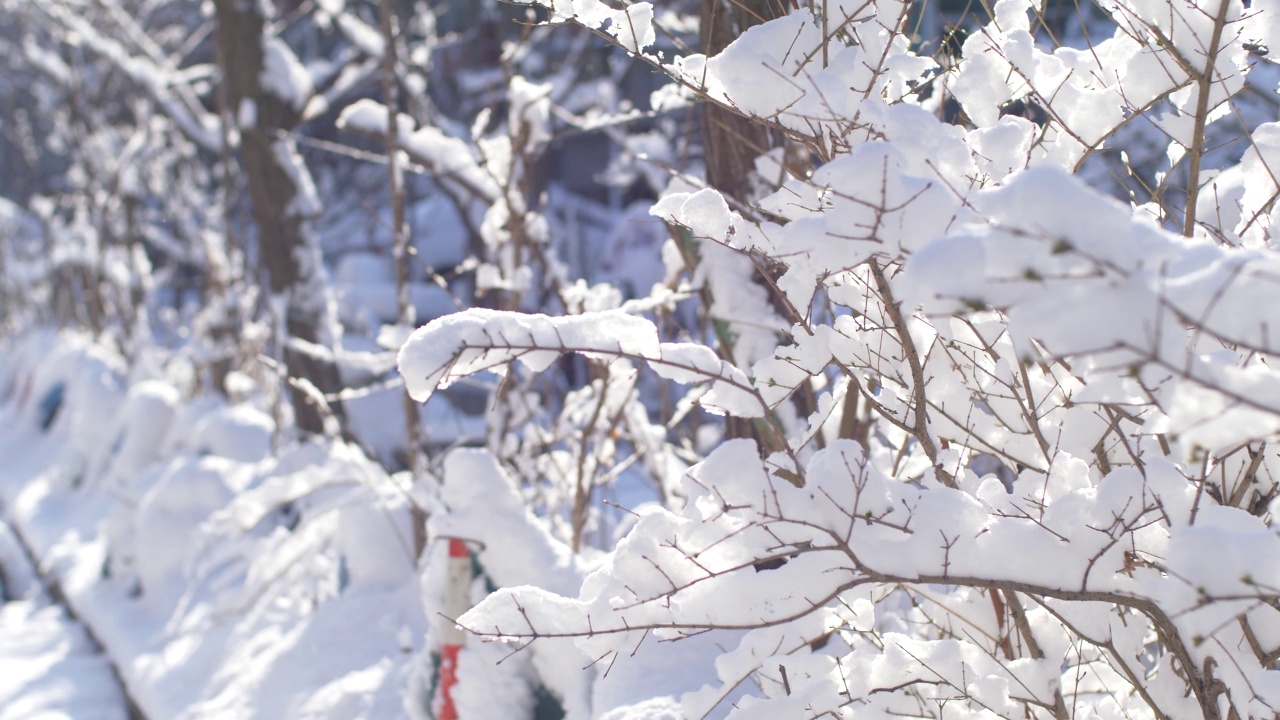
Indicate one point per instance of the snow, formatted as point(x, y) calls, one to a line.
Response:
point(366, 289)
point(49, 666)
point(464, 343)
point(704, 212)
point(247, 113)
point(50, 669)
point(516, 550)
point(633, 27)
point(237, 432)
point(486, 509)
point(363, 35)
point(306, 201)
point(448, 157)
point(158, 581)
point(283, 75)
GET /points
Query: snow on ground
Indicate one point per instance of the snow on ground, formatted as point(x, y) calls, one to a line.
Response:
point(49, 668)
point(229, 574)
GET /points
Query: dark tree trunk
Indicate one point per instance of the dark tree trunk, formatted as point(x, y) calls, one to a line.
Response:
point(731, 142)
point(273, 192)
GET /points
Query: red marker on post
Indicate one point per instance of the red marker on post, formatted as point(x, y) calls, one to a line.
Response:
point(457, 601)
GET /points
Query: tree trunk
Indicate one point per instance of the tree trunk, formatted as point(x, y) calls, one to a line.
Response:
point(405, 312)
point(731, 142)
point(290, 256)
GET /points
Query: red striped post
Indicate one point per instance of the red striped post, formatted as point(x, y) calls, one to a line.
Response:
point(457, 601)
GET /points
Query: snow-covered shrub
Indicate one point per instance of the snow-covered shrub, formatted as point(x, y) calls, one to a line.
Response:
point(216, 579)
point(1007, 446)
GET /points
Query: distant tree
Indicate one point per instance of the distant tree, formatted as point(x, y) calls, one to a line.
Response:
point(268, 89)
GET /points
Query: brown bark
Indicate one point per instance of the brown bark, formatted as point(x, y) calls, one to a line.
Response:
point(224, 332)
point(731, 143)
point(405, 313)
point(282, 230)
